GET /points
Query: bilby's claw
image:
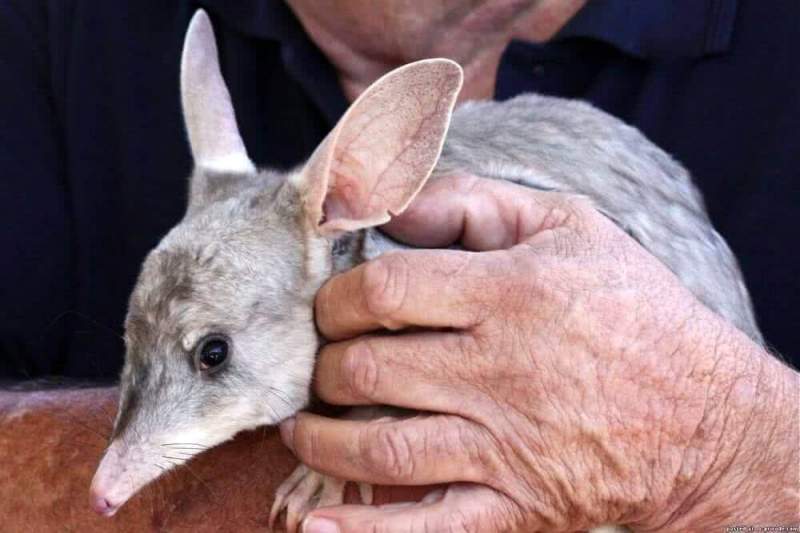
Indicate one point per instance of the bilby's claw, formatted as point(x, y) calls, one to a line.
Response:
point(305, 490)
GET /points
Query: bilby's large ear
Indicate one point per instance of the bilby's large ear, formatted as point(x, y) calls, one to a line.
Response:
point(383, 149)
point(214, 137)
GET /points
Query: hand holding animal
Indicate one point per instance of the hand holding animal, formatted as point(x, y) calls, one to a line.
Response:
point(220, 332)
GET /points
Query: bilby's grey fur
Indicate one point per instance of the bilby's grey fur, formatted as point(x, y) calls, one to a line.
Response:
point(243, 263)
point(237, 262)
point(232, 266)
point(569, 146)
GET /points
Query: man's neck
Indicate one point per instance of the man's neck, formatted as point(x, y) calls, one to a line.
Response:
point(364, 39)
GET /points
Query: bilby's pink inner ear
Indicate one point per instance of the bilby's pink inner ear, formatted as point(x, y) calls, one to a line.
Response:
point(382, 151)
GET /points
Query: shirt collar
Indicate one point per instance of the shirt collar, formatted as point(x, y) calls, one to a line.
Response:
point(657, 29)
point(643, 28)
point(262, 19)
point(273, 20)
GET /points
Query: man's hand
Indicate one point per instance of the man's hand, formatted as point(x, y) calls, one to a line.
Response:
point(566, 377)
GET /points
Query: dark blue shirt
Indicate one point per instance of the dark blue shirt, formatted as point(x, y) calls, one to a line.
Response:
point(94, 158)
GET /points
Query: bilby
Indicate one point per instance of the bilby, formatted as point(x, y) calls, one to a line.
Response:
point(220, 335)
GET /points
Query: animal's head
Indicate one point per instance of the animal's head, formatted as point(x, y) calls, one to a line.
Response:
point(220, 334)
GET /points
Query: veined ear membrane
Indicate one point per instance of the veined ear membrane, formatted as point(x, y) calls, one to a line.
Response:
point(383, 149)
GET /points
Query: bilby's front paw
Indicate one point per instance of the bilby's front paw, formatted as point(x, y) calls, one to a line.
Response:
point(305, 490)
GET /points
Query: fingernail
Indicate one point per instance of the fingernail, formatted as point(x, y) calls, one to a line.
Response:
point(287, 432)
point(319, 525)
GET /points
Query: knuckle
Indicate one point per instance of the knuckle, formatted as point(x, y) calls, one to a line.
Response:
point(459, 521)
point(485, 516)
point(524, 288)
point(556, 215)
point(389, 451)
point(574, 205)
point(360, 369)
point(470, 361)
point(384, 285)
point(567, 210)
point(467, 441)
point(578, 204)
point(483, 463)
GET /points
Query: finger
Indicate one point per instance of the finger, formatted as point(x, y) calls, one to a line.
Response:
point(429, 288)
point(422, 450)
point(480, 214)
point(409, 370)
point(463, 507)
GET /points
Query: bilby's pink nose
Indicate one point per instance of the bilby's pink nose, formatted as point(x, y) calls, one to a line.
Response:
point(101, 504)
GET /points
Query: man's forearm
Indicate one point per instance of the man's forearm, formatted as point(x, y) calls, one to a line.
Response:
point(51, 441)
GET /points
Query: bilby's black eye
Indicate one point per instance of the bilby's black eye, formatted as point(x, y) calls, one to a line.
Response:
point(212, 353)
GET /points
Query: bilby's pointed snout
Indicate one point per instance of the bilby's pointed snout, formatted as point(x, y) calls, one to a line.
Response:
point(100, 504)
point(120, 474)
point(101, 499)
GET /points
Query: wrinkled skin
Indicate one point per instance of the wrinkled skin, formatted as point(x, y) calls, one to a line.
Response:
point(367, 39)
point(577, 382)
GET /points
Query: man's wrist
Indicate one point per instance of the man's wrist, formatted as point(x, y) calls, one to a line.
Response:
point(764, 477)
point(751, 423)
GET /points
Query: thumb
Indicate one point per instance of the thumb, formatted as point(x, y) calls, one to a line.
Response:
point(479, 214)
point(462, 507)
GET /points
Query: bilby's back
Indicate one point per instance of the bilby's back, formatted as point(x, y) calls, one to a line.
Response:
point(569, 146)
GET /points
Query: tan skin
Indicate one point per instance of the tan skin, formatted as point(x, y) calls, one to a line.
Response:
point(50, 441)
point(367, 39)
point(570, 380)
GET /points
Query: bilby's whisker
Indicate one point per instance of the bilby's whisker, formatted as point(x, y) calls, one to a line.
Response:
point(173, 460)
point(279, 395)
point(186, 456)
point(74, 420)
